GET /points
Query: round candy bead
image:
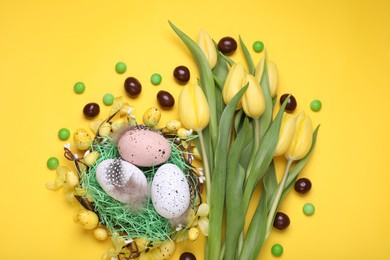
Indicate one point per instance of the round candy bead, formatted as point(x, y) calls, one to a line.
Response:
point(52, 163)
point(302, 185)
point(281, 221)
point(181, 74)
point(316, 105)
point(187, 256)
point(79, 87)
point(132, 86)
point(291, 103)
point(258, 46)
point(277, 250)
point(108, 99)
point(165, 99)
point(63, 134)
point(120, 67)
point(308, 209)
point(91, 109)
point(227, 45)
point(155, 79)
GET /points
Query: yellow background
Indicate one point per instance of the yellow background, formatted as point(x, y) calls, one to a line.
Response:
point(335, 51)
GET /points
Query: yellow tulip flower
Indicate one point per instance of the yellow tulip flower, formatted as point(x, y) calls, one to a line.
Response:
point(235, 80)
point(272, 75)
point(253, 102)
point(302, 138)
point(193, 108)
point(208, 47)
point(285, 134)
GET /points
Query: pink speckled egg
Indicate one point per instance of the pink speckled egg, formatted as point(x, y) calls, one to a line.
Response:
point(143, 147)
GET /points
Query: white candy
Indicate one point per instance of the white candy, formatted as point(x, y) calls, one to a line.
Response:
point(170, 191)
point(129, 186)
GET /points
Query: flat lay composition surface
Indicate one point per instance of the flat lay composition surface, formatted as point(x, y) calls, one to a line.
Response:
point(332, 56)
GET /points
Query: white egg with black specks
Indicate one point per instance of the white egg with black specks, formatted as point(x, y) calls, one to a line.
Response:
point(170, 191)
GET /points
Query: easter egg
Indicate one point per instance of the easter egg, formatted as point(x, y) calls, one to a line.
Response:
point(170, 191)
point(82, 139)
point(122, 181)
point(143, 147)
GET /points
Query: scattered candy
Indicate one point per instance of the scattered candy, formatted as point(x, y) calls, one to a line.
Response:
point(108, 99)
point(82, 139)
point(52, 163)
point(151, 117)
point(165, 99)
point(167, 249)
point(88, 219)
point(173, 125)
point(120, 67)
point(63, 134)
point(156, 79)
point(227, 45)
point(132, 86)
point(316, 105)
point(302, 185)
point(79, 87)
point(308, 209)
point(277, 250)
point(193, 234)
point(187, 256)
point(291, 104)
point(100, 233)
point(282, 221)
point(181, 74)
point(91, 109)
point(258, 46)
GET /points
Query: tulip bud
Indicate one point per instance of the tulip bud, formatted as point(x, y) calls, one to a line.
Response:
point(302, 138)
point(235, 80)
point(193, 108)
point(285, 134)
point(253, 101)
point(272, 75)
point(208, 47)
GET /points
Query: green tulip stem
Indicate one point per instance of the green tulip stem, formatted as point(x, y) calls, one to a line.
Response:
point(205, 165)
point(275, 203)
point(255, 146)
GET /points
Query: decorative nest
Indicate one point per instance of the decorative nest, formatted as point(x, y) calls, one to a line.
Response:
point(118, 218)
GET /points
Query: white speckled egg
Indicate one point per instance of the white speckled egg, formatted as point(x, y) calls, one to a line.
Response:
point(144, 147)
point(170, 191)
point(122, 181)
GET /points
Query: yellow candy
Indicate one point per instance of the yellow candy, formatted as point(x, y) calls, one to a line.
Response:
point(88, 219)
point(193, 234)
point(82, 139)
point(91, 158)
point(182, 133)
point(151, 117)
point(100, 233)
point(173, 125)
point(71, 178)
point(167, 249)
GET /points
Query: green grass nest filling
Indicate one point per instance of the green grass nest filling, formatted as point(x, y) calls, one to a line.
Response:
point(116, 216)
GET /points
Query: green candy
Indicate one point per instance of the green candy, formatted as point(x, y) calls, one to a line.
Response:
point(108, 99)
point(277, 250)
point(52, 163)
point(63, 134)
point(156, 79)
point(316, 105)
point(79, 87)
point(258, 46)
point(308, 209)
point(120, 67)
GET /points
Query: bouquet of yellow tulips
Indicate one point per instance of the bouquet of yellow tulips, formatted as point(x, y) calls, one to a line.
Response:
point(231, 109)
